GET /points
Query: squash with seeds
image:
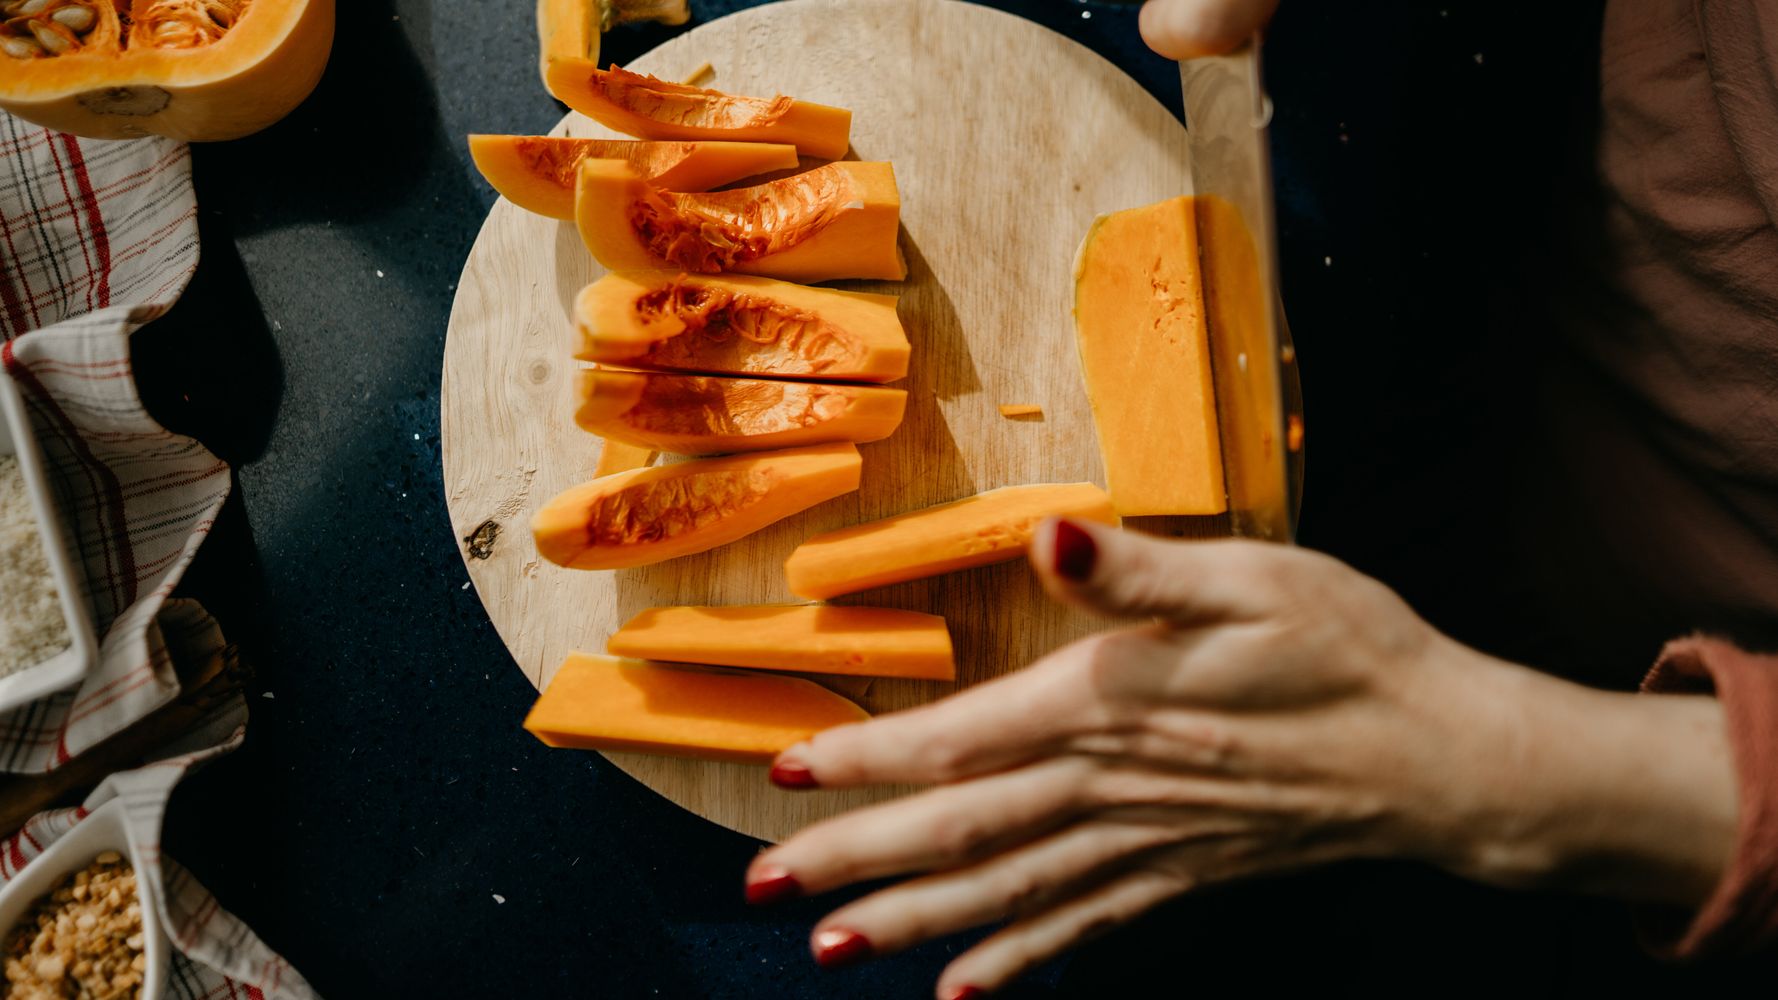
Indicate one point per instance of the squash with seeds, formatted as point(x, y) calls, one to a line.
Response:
point(194, 70)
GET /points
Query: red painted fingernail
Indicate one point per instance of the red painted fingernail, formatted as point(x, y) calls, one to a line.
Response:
point(787, 775)
point(840, 947)
point(772, 885)
point(966, 993)
point(1075, 552)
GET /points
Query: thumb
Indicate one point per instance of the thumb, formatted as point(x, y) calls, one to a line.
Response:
point(1126, 573)
point(1186, 29)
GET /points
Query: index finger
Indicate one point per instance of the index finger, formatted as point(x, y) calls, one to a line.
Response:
point(1008, 721)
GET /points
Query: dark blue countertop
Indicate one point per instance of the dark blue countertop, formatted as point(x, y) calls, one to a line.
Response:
point(390, 828)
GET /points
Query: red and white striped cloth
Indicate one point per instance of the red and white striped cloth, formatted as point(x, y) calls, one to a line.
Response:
point(96, 239)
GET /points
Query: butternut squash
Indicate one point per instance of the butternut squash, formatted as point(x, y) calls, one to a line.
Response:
point(571, 29)
point(705, 415)
point(1145, 351)
point(987, 528)
point(537, 172)
point(607, 703)
point(836, 221)
point(194, 70)
point(742, 325)
point(651, 515)
point(648, 108)
point(812, 638)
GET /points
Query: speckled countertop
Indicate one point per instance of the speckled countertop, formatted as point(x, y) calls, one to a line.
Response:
point(390, 828)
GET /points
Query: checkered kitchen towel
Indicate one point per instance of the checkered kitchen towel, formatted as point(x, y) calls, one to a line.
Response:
point(96, 239)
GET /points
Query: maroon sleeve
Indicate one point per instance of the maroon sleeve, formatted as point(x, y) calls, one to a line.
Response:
point(1741, 914)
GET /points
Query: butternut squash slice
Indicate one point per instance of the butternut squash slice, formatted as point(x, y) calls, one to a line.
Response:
point(651, 515)
point(1145, 351)
point(986, 528)
point(537, 172)
point(571, 29)
point(811, 638)
point(648, 108)
point(706, 415)
point(195, 70)
point(836, 221)
point(632, 706)
point(741, 325)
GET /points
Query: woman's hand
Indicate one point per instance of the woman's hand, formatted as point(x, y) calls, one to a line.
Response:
point(1185, 29)
point(1283, 710)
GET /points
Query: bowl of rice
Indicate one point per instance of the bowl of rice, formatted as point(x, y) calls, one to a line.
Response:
point(46, 633)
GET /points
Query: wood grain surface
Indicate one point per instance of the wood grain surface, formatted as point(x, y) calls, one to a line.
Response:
point(1007, 140)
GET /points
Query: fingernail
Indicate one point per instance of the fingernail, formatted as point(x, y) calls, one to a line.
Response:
point(840, 947)
point(966, 993)
point(788, 775)
point(772, 885)
point(1075, 552)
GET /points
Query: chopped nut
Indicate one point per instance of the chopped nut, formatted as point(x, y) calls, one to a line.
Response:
point(82, 939)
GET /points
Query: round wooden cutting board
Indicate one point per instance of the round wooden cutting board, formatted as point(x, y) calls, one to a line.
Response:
point(1007, 140)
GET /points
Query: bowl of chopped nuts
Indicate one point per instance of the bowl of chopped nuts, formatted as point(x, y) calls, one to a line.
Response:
point(46, 632)
point(76, 924)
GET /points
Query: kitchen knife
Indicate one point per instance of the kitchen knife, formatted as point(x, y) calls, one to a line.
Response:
point(1253, 362)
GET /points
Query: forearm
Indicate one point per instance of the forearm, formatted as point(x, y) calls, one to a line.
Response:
point(1615, 794)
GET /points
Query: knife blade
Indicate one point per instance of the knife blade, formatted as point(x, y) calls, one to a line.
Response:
point(1253, 362)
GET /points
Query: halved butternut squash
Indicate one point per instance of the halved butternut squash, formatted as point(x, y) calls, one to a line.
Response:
point(652, 515)
point(986, 528)
point(571, 29)
point(736, 324)
point(1139, 324)
point(537, 172)
point(194, 70)
point(648, 108)
point(707, 415)
point(836, 221)
point(608, 703)
point(812, 638)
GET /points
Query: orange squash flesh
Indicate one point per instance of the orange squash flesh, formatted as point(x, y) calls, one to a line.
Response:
point(811, 638)
point(739, 324)
point(707, 415)
point(571, 29)
point(651, 515)
point(987, 528)
point(648, 108)
point(1145, 351)
point(621, 456)
point(195, 72)
point(537, 172)
point(835, 221)
point(608, 703)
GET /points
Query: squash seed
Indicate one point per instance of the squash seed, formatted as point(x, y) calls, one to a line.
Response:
point(54, 38)
point(19, 47)
point(78, 18)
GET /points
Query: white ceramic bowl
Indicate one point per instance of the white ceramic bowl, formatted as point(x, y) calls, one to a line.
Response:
point(71, 665)
point(102, 831)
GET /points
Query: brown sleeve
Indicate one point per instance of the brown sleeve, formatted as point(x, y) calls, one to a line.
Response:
point(1741, 914)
